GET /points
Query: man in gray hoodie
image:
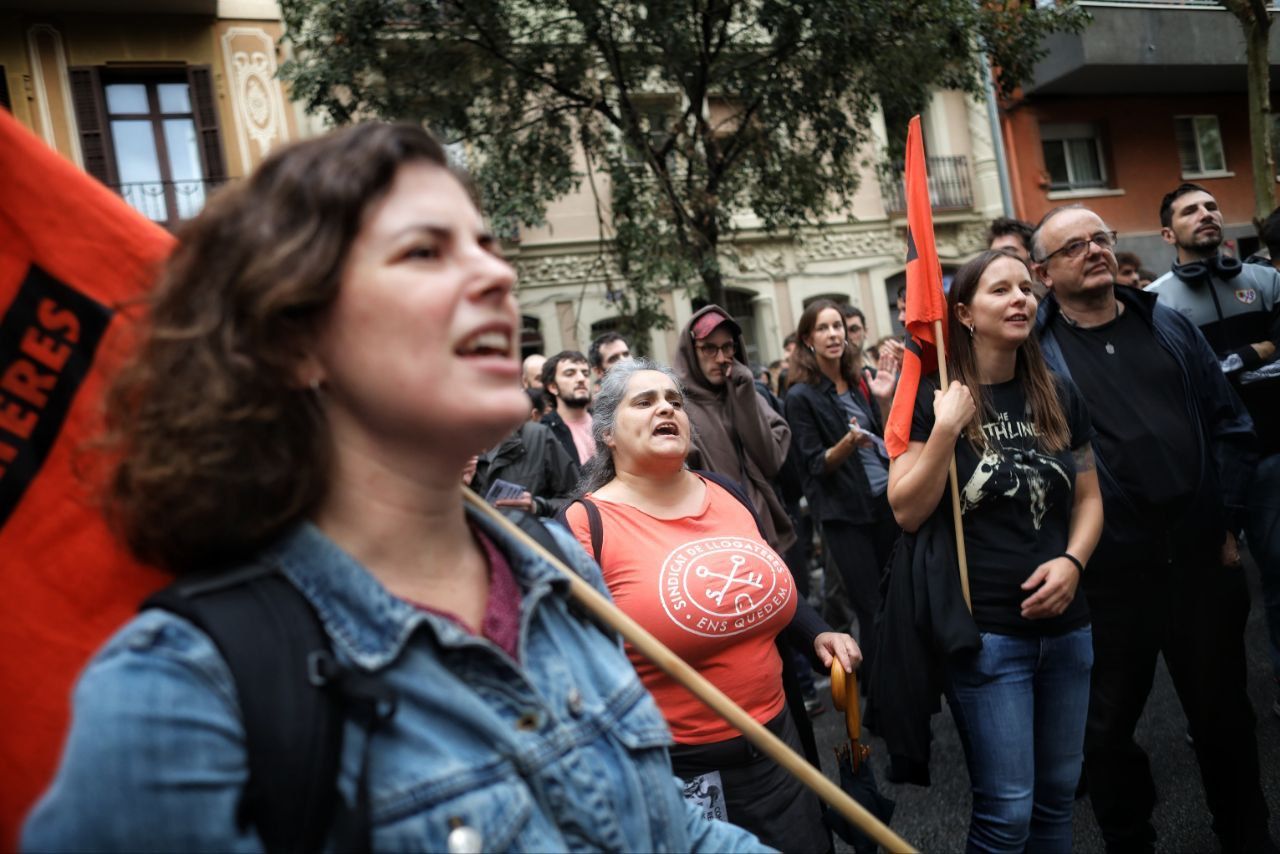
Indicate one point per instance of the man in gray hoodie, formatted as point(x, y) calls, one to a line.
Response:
point(736, 432)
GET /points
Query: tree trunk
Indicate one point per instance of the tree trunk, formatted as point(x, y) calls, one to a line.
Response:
point(1257, 33)
point(706, 248)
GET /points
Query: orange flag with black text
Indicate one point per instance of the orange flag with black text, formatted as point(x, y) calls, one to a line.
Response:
point(926, 302)
point(73, 257)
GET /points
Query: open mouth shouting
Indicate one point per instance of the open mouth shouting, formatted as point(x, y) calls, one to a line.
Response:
point(667, 428)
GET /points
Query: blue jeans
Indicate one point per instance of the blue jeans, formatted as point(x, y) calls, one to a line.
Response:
point(1020, 705)
point(1262, 532)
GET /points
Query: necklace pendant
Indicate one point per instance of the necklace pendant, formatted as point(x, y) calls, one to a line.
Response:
point(1111, 351)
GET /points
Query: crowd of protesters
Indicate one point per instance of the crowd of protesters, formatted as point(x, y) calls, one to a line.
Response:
point(1110, 448)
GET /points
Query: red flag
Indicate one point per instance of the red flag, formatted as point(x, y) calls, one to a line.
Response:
point(72, 253)
point(926, 302)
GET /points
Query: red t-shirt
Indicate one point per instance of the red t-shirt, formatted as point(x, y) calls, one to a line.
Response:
point(709, 588)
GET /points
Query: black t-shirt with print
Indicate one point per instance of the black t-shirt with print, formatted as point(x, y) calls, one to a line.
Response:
point(1016, 502)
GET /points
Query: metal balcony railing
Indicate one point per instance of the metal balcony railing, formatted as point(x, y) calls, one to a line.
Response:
point(167, 202)
point(949, 187)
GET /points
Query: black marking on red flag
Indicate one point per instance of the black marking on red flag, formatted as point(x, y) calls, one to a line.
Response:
point(912, 254)
point(48, 339)
point(911, 345)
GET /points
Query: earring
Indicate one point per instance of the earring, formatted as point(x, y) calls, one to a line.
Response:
point(314, 385)
point(970, 330)
point(811, 349)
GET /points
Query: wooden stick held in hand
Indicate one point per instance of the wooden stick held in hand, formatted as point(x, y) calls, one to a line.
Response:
point(955, 479)
point(675, 667)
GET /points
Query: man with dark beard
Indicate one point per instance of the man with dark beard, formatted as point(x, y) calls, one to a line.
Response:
point(567, 378)
point(1237, 307)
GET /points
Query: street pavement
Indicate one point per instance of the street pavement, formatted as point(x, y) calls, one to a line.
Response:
point(936, 818)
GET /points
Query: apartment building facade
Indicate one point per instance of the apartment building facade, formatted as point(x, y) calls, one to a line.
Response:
point(162, 100)
point(568, 280)
point(1149, 95)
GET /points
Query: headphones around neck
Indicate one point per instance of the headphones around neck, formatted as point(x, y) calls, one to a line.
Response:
point(1222, 266)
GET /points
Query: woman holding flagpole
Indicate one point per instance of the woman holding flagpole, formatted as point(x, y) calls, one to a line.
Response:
point(1032, 514)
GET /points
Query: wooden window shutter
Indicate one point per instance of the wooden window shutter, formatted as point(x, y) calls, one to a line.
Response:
point(91, 121)
point(204, 104)
point(4, 91)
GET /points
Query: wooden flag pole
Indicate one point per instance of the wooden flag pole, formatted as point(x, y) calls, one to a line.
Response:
point(679, 670)
point(955, 479)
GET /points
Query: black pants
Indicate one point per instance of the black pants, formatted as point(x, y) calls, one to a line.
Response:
point(1193, 611)
point(760, 795)
point(861, 554)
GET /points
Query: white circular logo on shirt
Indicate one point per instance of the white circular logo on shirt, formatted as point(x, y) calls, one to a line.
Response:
point(723, 586)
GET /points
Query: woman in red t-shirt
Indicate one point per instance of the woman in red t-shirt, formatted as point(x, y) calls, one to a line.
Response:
point(684, 556)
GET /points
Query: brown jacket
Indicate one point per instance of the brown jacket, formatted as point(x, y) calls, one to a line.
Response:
point(736, 433)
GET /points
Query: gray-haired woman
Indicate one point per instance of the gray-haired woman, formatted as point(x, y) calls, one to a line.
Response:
point(682, 554)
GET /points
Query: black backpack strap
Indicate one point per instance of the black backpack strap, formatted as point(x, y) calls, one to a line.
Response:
point(531, 525)
point(293, 702)
point(594, 523)
point(735, 489)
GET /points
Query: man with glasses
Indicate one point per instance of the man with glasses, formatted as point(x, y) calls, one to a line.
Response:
point(736, 432)
point(1172, 448)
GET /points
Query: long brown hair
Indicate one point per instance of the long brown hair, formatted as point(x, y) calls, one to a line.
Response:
point(218, 448)
point(804, 364)
point(1052, 434)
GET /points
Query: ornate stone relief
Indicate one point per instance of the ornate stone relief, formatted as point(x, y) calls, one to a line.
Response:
point(250, 58)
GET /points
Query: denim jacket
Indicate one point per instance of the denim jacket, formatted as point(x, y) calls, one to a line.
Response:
point(563, 750)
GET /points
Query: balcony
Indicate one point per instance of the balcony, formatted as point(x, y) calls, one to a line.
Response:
point(1143, 47)
point(167, 202)
point(949, 187)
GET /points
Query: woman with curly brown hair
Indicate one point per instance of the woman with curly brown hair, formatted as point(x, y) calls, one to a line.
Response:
point(285, 411)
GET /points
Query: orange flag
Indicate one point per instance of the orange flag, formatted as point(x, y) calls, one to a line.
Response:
point(72, 255)
point(926, 301)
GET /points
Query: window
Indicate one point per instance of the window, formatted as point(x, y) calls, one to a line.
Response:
point(1275, 143)
point(152, 136)
point(5, 103)
point(1199, 145)
point(1073, 156)
point(656, 114)
point(530, 335)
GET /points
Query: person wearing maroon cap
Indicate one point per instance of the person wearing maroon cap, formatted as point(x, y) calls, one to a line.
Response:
point(736, 432)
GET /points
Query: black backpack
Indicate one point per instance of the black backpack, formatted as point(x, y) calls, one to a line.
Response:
point(294, 701)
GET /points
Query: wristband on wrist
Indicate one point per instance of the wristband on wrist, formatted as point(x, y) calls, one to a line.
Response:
point(1069, 556)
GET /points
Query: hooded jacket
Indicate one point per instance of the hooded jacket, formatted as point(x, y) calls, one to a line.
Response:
point(735, 431)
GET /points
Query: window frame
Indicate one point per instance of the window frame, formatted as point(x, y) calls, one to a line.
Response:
point(1201, 172)
point(93, 123)
point(1063, 132)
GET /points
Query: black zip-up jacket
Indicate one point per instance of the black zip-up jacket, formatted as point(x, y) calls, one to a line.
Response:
point(553, 422)
point(1224, 430)
point(818, 421)
point(533, 458)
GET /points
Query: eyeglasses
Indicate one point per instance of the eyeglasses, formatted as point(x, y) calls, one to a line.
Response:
point(1076, 248)
point(711, 350)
